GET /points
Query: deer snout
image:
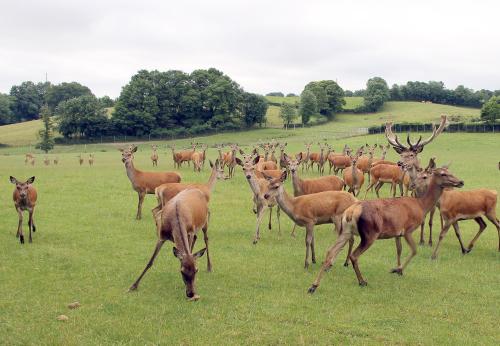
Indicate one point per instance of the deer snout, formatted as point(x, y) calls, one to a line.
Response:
point(248, 176)
point(460, 183)
point(266, 196)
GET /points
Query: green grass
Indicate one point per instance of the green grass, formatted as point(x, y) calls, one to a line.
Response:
point(89, 248)
point(280, 100)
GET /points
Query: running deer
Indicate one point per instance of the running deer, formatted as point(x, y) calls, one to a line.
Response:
point(145, 182)
point(259, 188)
point(310, 210)
point(408, 154)
point(154, 155)
point(24, 197)
point(386, 218)
point(353, 177)
point(91, 160)
point(181, 219)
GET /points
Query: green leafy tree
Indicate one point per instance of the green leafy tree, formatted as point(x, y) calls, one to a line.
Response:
point(6, 114)
point(276, 93)
point(490, 111)
point(28, 99)
point(65, 91)
point(82, 116)
point(377, 92)
point(253, 108)
point(46, 134)
point(329, 96)
point(308, 106)
point(287, 113)
point(106, 101)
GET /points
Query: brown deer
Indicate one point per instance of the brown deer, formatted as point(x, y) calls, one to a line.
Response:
point(24, 197)
point(314, 158)
point(145, 182)
point(56, 160)
point(181, 218)
point(310, 210)
point(33, 161)
point(154, 155)
point(80, 159)
point(386, 218)
point(323, 158)
point(259, 188)
point(176, 157)
point(28, 157)
point(305, 156)
point(383, 173)
point(230, 159)
point(340, 162)
point(273, 152)
point(197, 161)
point(204, 149)
point(46, 161)
point(331, 157)
point(91, 160)
point(364, 162)
point(283, 163)
point(353, 177)
point(384, 154)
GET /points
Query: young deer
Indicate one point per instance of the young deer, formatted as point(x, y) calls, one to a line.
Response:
point(181, 218)
point(353, 177)
point(310, 210)
point(145, 182)
point(154, 155)
point(91, 160)
point(386, 218)
point(24, 197)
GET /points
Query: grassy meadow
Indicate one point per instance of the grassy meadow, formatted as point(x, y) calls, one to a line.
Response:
point(89, 248)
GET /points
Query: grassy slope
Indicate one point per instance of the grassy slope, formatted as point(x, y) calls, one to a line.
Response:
point(89, 248)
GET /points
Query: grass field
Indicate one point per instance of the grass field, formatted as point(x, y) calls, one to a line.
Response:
point(89, 248)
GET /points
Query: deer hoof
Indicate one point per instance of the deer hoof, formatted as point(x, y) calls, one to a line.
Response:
point(132, 288)
point(466, 251)
point(21, 239)
point(422, 243)
point(346, 264)
point(430, 244)
point(363, 283)
point(312, 289)
point(398, 271)
point(434, 257)
point(255, 241)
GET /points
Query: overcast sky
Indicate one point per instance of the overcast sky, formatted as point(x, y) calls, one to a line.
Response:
point(263, 45)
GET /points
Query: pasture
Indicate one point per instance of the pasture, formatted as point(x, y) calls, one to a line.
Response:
point(89, 248)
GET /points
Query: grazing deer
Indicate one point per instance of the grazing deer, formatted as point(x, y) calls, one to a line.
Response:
point(353, 177)
point(80, 159)
point(305, 156)
point(259, 188)
point(154, 155)
point(24, 197)
point(145, 182)
point(91, 160)
point(310, 210)
point(56, 160)
point(46, 161)
point(386, 218)
point(181, 219)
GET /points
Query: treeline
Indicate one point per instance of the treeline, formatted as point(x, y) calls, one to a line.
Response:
point(25, 101)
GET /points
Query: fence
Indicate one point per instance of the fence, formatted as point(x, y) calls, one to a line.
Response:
point(454, 127)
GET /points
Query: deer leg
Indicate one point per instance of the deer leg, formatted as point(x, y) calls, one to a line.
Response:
point(378, 187)
point(205, 238)
point(431, 217)
point(293, 230)
point(445, 229)
point(313, 253)
point(370, 186)
point(362, 247)
point(270, 217)
point(309, 239)
point(278, 217)
point(260, 215)
point(331, 255)
point(349, 250)
point(19, 233)
point(400, 189)
point(159, 244)
point(422, 240)
point(399, 249)
point(459, 237)
point(30, 223)
point(491, 215)
point(482, 226)
point(413, 251)
point(192, 240)
point(139, 206)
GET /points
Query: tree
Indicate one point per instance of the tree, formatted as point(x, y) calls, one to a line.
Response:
point(276, 93)
point(377, 92)
point(287, 113)
point(82, 116)
point(491, 109)
point(6, 114)
point(46, 135)
point(291, 95)
point(308, 106)
point(253, 108)
point(28, 99)
point(106, 101)
point(65, 91)
point(348, 93)
point(329, 97)
point(395, 93)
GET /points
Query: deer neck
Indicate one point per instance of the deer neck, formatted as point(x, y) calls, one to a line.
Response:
point(131, 171)
point(297, 184)
point(431, 197)
point(254, 185)
point(354, 175)
point(370, 160)
point(286, 202)
point(212, 180)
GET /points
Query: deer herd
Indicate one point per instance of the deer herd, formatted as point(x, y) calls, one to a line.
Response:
point(183, 208)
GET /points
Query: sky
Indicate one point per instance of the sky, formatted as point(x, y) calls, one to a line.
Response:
point(263, 45)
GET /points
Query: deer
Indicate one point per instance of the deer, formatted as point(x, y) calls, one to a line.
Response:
point(154, 155)
point(364, 162)
point(230, 159)
point(353, 177)
point(259, 187)
point(197, 161)
point(273, 151)
point(323, 158)
point(176, 157)
point(305, 156)
point(91, 160)
point(46, 161)
point(28, 157)
point(186, 155)
point(145, 182)
point(386, 218)
point(56, 160)
point(340, 162)
point(33, 162)
point(314, 158)
point(383, 173)
point(382, 159)
point(80, 159)
point(204, 149)
point(309, 210)
point(181, 219)
point(283, 163)
point(24, 197)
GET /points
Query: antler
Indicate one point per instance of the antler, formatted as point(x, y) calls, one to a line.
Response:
point(436, 131)
point(393, 139)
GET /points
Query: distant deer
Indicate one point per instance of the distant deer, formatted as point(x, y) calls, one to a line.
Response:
point(364, 163)
point(24, 197)
point(259, 188)
point(91, 160)
point(46, 161)
point(181, 218)
point(177, 157)
point(197, 161)
point(353, 177)
point(80, 159)
point(384, 154)
point(230, 159)
point(33, 161)
point(283, 163)
point(323, 158)
point(386, 218)
point(305, 156)
point(154, 155)
point(310, 210)
point(56, 160)
point(273, 151)
point(145, 182)
point(28, 157)
point(204, 148)
point(340, 162)
point(314, 158)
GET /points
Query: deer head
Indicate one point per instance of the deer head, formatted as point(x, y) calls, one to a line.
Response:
point(275, 185)
point(293, 165)
point(22, 188)
point(248, 164)
point(128, 154)
point(188, 269)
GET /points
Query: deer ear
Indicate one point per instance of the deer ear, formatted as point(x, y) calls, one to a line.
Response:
point(200, 253)
point(283, 176)
point(256, 159)
point(211, 164)
point(239, 162)
point(30, 180)
point(299, 156)
point(177, 253)
point(134, 150)
point(268, 177)
point(13, 180)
